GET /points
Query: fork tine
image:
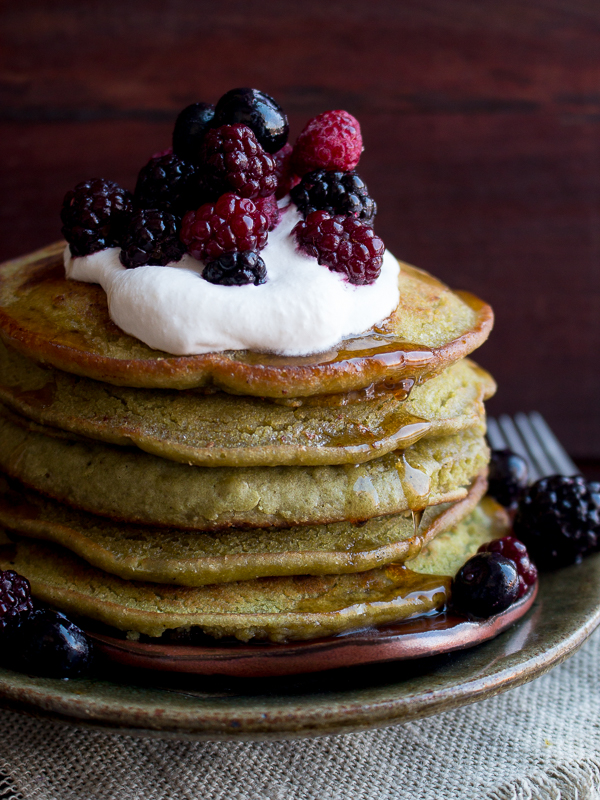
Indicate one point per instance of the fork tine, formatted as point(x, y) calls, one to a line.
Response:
point(551, 445)
point(494, 435)
point(517, 445)
point(538, 454)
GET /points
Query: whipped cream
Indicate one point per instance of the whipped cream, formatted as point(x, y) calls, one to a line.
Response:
point(302, 309)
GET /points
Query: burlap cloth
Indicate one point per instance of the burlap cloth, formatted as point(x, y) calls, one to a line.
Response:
point(539, 741)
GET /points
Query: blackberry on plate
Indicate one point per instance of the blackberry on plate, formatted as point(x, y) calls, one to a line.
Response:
point(232, 224)
point(558, 519)
point(236, 269)
point(15, 598)
point(331, 140)
point(189, 131)
point(513, 548)
point(485, 585)
point(170, 182)
point(151, 238)
point(49, 644)
point(94, 215)
point(344, 244)
point(256, 109)
point(507, 477)
point(233, 160)
point(336, 192)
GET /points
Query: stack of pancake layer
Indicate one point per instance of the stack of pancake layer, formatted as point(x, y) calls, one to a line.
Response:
point(239, 494)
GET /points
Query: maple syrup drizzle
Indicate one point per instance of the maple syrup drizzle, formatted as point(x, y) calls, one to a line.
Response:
point(416, 486)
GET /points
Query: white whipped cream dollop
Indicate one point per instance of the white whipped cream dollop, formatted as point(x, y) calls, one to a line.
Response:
point(303, 308)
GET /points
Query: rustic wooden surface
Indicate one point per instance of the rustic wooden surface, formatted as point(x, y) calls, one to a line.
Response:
point(481, 121)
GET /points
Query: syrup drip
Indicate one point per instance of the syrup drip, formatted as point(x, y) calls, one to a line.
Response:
point(416, 485)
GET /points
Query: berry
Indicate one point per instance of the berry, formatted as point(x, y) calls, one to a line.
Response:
point(189, 131)
point(283, 170)
point(233, 160)
point(259, 112)
point(268, 206)
point(236, 269)
point(94, 215)
point(558, 519)
point(343, 244)
point(168, 151)
point(507, 478)
point(151, 238)
point(15, 598)
point(232, 224)
point(513, 548)
point(168, 182)
point(485, 585)
point(49, 644)
point(329, 141)
point(335, 192)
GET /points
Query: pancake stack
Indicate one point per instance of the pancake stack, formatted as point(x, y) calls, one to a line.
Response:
point(239, 494)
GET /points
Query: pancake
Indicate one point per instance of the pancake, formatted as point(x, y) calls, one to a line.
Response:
point(134, 486)
point(278, 609)
point(65, 323)
point(222, 430)
point(195, 558)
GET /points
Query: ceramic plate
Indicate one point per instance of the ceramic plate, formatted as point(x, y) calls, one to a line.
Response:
point(566, 611)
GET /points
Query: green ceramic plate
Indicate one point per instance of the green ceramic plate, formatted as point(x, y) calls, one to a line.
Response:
point(565, 612)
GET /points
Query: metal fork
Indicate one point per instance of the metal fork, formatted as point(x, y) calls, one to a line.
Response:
point(530, 436)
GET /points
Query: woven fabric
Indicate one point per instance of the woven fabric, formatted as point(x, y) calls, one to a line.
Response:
point(537, 742)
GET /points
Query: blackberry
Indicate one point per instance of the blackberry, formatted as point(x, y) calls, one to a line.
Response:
point(94, 215)
point(49, 644)
point(513, 548)
point(151, 238)
point(268, 206)
point(558, 519)
point(169, 182)
point(233, 160)
point(507, 477)
point(331, 140)
point(263, 115)
point(232, 224)
point(336, 192)
point(344, 244)
point(236, 269)
point(189, 131)
point(15, 598)
point(485, 585)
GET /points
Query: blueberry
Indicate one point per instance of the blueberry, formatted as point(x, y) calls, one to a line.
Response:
point(486, 585)
point(259, 112)
point(190, 127)
point(49, 644)
point(507, 477)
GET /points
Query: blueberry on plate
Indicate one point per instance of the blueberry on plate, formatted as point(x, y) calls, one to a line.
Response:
point(50, 645)
point(190, 127)
point(507, 477)
point(486, 584)
point(263, 115)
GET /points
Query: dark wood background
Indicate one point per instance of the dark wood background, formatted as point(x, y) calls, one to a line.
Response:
point(481, 120)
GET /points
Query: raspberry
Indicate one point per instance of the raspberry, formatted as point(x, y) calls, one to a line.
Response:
point(236, 269)
point(168, 182)
point(233, 160)
point(190, 128)
point(232, 224)
point(15, 598)
point(558, 520)
point(283, 170)
point(485, 585)
point(329, 141)
point(152, 237)
point(94, 215)
point(263, 115)
point(343, 244)
point(335, 192)
point(507, 478)
point(513, 548)
point(268, 206)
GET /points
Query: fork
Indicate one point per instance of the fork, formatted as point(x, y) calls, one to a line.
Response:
point(529, 435)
